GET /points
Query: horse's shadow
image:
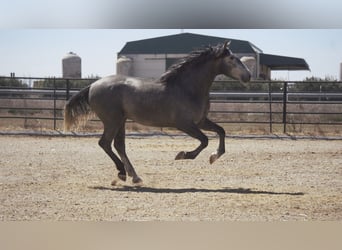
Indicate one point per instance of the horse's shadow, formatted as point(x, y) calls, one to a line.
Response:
point(143, 189)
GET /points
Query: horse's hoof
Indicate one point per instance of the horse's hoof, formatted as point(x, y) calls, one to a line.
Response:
point(122, 177)
point(213, 158)
point(180, 155)
point(129, 173)
point(137, 181)
point(113, 183)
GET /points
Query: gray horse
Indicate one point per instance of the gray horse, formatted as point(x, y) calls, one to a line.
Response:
point(179, 99)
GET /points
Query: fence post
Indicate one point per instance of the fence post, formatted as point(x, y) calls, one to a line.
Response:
point(270, 105)
point(67, 89)
point(284, 106)
point(54, 104)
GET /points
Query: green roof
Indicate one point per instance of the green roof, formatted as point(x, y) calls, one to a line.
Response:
point(275, 62)
point(182, 43)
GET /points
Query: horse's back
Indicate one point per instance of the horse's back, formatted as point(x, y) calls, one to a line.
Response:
point(134, 98)
point(104, 94)
point(120, 86)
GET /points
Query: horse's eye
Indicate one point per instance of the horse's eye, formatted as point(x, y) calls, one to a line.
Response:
point(231, 57)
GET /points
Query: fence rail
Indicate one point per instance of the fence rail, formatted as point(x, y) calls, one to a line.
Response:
point(273, 103)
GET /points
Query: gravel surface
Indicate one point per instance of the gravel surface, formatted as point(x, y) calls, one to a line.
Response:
point(65, 178)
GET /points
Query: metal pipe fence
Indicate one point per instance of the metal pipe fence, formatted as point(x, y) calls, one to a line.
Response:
point(268, 103)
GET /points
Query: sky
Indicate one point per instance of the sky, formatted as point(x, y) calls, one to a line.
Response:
point(39, 52)
point(170, 14)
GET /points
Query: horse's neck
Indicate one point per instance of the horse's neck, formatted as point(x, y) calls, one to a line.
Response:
point(198, 81)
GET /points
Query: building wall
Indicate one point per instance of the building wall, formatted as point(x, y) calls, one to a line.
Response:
point(149, 65)
point(154, 65)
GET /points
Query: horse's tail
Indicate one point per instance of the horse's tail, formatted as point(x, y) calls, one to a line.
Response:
point(77, 110)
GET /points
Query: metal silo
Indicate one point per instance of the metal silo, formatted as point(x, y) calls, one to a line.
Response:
point(71, 66)
point(124, 66)
point(250, 62)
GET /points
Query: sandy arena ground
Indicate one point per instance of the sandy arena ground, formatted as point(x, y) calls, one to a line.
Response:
point(56, 178)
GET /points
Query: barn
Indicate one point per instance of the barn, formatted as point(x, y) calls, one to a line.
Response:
point(151, 57)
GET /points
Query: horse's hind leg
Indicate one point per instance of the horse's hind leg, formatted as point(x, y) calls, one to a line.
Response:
point(119, 144)
point(194, 132)
point(211, 126)
point(105, 143)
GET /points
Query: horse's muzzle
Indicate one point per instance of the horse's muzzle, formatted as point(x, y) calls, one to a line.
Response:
point(245, 78)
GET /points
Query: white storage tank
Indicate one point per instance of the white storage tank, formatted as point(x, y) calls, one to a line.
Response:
point(250, 62)
point(71, 66)
point(124, 66)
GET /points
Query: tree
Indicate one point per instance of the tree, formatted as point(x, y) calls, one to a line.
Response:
point(12, 82)
point(62, 83)
point(327, 84)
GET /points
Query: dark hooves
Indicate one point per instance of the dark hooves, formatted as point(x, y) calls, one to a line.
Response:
point(122, 177)
point(214, 157)
point(180, 155)
point(137, 181)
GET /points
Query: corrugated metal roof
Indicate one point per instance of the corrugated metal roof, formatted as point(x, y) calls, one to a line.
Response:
point(182, 43)
point(275, 62)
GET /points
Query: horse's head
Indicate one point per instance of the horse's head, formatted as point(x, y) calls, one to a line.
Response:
point(231, 65)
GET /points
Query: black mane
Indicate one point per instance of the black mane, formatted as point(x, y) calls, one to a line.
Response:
point(195, 58)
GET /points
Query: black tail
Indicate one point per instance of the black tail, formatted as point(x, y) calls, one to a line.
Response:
point(77, 110)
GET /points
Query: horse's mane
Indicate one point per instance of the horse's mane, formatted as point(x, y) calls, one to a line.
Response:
point(195, 58)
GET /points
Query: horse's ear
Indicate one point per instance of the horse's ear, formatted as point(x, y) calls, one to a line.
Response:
point(226, 44)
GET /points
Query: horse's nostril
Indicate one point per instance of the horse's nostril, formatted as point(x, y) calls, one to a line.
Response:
point(246, 78)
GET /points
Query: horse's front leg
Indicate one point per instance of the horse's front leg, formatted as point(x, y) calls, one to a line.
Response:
point(119, 144)
point(192, 130)
point(211, 126)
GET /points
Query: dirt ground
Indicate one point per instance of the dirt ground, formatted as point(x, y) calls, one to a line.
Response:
point(66, 178)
